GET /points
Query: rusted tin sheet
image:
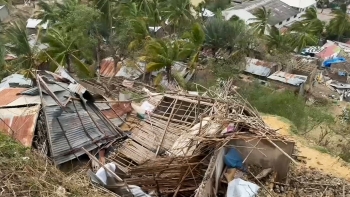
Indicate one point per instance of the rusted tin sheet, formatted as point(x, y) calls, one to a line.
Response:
point(19, 123)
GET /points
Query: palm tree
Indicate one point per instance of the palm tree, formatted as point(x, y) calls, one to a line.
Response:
point(260, 23)
point(277, 41)
point(178, 12)
point(162, 55)
point(196, 38)
point(340, 23)
point(221, 34)
point(311, 20)
point(26, 51)
point(47, 12)
point(139, 32)
point(302, 36)
point(62, 50)
point(61, 47)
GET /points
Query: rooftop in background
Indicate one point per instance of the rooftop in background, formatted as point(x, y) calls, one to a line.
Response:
point(259, 67)
point(330, 50)
point(288, 78)
point(242, 14)
point(300, 3)
point(280, 11)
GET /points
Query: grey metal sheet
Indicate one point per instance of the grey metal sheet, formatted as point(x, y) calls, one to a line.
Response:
point(279, 11)
point(74, 130)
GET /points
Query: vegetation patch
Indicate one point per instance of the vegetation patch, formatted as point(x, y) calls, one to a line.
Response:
point(285, 104)
point(26, 173)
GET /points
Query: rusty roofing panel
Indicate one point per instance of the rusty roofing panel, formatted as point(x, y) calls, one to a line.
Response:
point(117, 110)
point(9, 95)
point(19, 123)
point(107, 67)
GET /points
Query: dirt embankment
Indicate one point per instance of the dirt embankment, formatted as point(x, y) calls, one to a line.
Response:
point(324, 162)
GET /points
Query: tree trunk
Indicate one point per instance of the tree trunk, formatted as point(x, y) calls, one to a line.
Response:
point(168, 72)
point(69, 66)
point(116, 59)
point(98, 60)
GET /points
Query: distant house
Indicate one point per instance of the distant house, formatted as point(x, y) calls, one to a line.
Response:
point(261, 68)
point(290, 81)
point(33, 25)
point(329, 50)
point(4, 12)
point(283, 12)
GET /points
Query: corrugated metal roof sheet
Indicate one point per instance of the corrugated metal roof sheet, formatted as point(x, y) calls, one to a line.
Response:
point(9, 95)
point(17, 79)
point(19, 123)
point(107, 67)
point(258, 67)
point(328, 51)
point(288, 78)
point(81, 125)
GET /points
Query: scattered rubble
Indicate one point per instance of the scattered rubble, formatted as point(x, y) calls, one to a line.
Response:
point(157, 144)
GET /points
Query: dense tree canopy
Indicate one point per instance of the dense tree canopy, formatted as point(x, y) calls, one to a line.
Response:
point(80, 34)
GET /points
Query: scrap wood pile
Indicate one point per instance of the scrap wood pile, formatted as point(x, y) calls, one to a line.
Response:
point(170, 146)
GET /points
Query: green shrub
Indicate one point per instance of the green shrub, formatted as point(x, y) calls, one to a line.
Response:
point(285, 104)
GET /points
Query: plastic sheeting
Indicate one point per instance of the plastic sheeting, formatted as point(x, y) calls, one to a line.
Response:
point(241, 188)
point(328, 63)
point(233, 159)
point(137, 191)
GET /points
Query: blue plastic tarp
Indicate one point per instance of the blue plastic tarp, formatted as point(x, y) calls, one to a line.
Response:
point(233, 159)
point(328, 63)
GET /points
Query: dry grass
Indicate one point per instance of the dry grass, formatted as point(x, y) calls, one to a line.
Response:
point(26, 173)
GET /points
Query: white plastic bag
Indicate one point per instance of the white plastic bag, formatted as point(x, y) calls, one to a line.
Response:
point(241, 188)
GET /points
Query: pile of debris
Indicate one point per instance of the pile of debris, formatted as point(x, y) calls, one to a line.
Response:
point(140, 141)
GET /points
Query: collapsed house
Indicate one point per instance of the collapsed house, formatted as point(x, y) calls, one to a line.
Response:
point(168, 143)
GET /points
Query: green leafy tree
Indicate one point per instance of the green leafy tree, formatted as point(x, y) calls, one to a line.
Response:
point(261, 23)
point(160, 54)
point(311, 21)
point(231, 35)
point(276, 41)
point(178, 12)
point(196, 38)
point(340, 24)
point(26, 51)
point(139, 32)
point(302, 36)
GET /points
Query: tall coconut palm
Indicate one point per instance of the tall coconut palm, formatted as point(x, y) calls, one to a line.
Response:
point(47, 12)
point(277, 41)
point(196, 38)
point(302, 36)
point(224, 34)
point(162, 55)
point(310, 19)
point(178, 12)
point(340, 23)
point(260, 24)
point(139, 32)
point(62, 49)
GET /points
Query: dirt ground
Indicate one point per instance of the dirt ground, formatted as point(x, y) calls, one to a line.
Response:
point(324, 162)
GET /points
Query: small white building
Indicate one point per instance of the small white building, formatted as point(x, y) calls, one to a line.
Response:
point(283, 12)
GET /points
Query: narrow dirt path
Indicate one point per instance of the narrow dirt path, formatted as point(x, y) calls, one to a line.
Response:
point(315, 159)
